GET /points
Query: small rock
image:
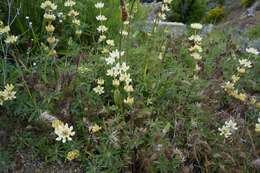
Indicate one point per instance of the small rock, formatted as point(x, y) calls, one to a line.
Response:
point(256, 163)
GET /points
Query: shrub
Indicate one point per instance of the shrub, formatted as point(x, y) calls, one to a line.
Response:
point(187, 11)
point(247, 3)
point(215, 15)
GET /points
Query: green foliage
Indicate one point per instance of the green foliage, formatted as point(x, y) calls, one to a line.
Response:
point(172, 125)
point(215, 15)
point(254, 32)
point(187, 11)
point(247, 3)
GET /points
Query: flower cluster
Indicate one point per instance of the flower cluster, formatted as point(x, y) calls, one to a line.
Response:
point(101, 18)
point(63, 131)
point(229, 86)
point(72, 155)
point(124, 31)
point(5, 33)
point(49, 16)
point(164, 9)
point(119, 72)
point(7, 94)
point(196, 49)
point(228, 128)
point(99, 89)
point(73, 14)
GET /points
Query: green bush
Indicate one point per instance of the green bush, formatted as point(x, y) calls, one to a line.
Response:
point(215, 15)
point(187, 11)
point(247, 3)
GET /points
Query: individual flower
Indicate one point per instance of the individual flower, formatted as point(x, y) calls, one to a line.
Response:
point(116, 82)
point(128, 88)
point(165, 7)
point(101, 18)
point(73, 13)
point(195, 38)
point(69, 3)
point(167, 1)
point(124, 33)
point(102, 28)
point(252, 51)
point(197, 26)
point(245, 63)
point(99, 90)
point(235, 78)
point(72, 155)
point(196, 48)
point(129, 100)
point(228, 85)
point(196, 56)
point(76, 22)
point(56, 123)
point(78, 32)
point(49, 17)
point(8, 93)
point(64, 133)
point(100, 81)
point(241, 70)
point(48, 5)
point(228, 128)
point(116, 54)
point(51, 40)
point(95, 128)
point(11, 39)
point(110, 42)
point(102, 38)
point(50, 28)
point(99, 5)
point(4, 30)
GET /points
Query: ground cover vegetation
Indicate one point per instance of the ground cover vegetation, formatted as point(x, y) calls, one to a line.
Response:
point(86, 85)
